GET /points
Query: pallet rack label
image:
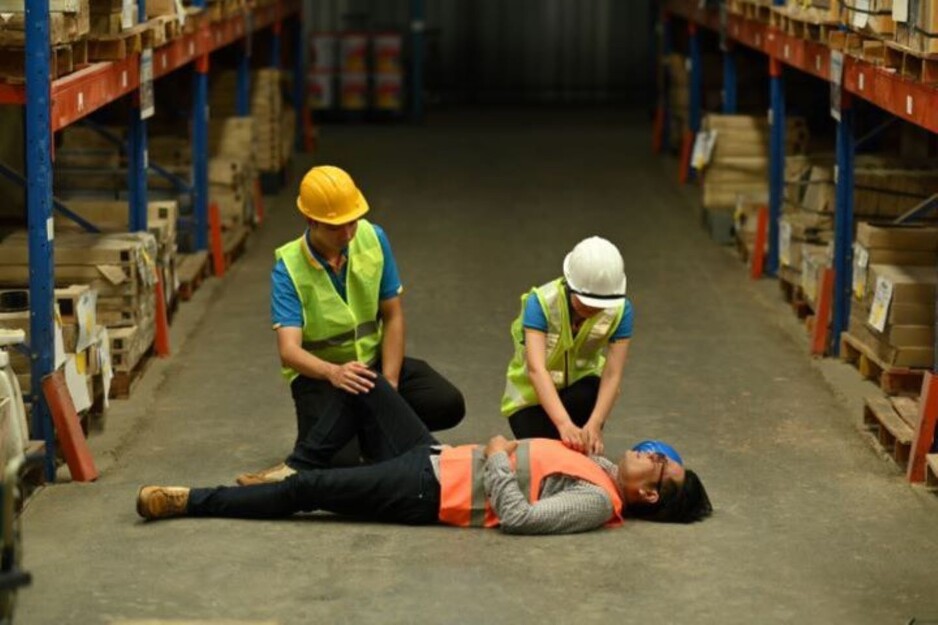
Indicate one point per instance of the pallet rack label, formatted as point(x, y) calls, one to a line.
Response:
point(880, 308)
point(147, 106)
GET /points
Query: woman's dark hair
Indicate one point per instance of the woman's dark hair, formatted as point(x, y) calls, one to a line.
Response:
point(686, 503)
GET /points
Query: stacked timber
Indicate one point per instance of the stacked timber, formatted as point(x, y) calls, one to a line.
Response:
point(82, 345)
point(119, 268)
point(69, 24)
point(894, 281)
point(113, 216)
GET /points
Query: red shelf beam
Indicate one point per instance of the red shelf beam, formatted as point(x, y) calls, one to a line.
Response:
point(902, 97)
point(78, 94)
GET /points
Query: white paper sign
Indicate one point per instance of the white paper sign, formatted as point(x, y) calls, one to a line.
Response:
point(861, 13)
point(181, 16)
point(703, 148)
point(85, 313)
point(861, 260)
point(900, 10)
point(77, 383)
point(104, 358)
point(147, 106)
point(879, 311)
point(836, 78)
point(128, 14)
point(784, 242)
point(58, 341)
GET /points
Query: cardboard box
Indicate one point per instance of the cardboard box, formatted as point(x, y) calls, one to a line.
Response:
point(922, 238)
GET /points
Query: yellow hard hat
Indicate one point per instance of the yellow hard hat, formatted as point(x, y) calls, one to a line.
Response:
point(329, 195)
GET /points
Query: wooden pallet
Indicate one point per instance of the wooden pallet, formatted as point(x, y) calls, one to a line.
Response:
point(124, 382)
point(893, 380)
point(931, 471)
point(753, 10)
point(64, 59)
point(807, 24)
point(191, 270)
point(911, 64)
point(131, 41)
point(793, 294)
point(891, 427)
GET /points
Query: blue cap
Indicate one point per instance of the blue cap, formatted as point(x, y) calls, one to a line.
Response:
point(652, 446)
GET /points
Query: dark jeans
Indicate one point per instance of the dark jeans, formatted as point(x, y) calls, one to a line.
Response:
point(325, 414)
point(579, 399)
point(399, 488)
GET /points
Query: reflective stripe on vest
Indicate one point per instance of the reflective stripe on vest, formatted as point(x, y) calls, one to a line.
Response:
point(462, 494)
point(569, 358)
point(335, 330)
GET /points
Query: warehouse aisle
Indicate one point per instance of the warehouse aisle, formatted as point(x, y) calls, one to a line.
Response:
point(811, 526)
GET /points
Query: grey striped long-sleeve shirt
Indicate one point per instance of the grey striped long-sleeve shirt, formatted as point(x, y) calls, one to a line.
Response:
point(566, 505)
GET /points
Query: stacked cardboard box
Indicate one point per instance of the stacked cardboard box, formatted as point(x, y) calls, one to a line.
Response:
point(69, 24)
point(893, 312)
point(233, 169)
point(871, 17)
point(111, 17)
point(919, 33)
point(82, 346)
point(268, 110)
point(739, 160)
point(677, 67)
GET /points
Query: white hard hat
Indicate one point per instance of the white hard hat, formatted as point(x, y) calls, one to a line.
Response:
point(594, 272)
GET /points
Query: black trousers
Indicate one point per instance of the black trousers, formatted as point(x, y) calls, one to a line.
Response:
point(399, 488)
point(325, 414)
point(579, 399)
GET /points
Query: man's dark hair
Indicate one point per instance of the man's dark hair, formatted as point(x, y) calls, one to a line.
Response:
point(686, 503)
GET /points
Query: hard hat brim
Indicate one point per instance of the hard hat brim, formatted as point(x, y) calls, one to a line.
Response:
point(594, 302)
point(361, 207)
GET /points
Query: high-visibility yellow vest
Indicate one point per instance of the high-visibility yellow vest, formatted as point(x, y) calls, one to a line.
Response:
point(569, 358)
point(335, 330)
point(462, 496)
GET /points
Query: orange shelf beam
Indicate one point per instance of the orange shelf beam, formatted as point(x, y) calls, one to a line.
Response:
point(78, 94)
point(905, 98)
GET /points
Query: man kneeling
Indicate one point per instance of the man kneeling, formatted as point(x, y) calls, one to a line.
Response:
point(532, 486)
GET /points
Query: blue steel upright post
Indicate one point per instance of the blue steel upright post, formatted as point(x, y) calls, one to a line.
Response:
point(843, 222)
point(417, 28)
point(243, 87)
point(200, 147)
point(730, 80)
point(137, 153)
point(39, 211)
point(776, 160)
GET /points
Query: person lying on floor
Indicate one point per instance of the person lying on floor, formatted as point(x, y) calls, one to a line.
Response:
point(532, 486)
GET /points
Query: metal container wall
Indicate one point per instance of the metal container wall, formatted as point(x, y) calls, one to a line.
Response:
point(517, 51)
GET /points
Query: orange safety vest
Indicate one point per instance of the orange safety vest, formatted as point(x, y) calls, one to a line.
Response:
point(462, 495)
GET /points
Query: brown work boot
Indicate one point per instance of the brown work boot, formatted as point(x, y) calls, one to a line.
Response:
point(162, 502)
point(276, 473)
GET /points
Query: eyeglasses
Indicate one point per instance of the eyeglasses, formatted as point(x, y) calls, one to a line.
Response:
point(663, 460)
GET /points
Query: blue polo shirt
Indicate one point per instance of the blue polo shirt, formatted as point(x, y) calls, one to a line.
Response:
point(535, 319)
point(286, 310)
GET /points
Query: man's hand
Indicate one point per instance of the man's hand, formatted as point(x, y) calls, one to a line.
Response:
point(594, 438)
point(500, 443)
point(572, 436)
point(352, 377)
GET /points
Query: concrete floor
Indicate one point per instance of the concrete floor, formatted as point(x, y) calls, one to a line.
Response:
point(812, 525)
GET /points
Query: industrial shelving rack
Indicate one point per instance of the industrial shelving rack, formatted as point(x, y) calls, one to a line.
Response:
point(52, 105)
point(900, 96)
